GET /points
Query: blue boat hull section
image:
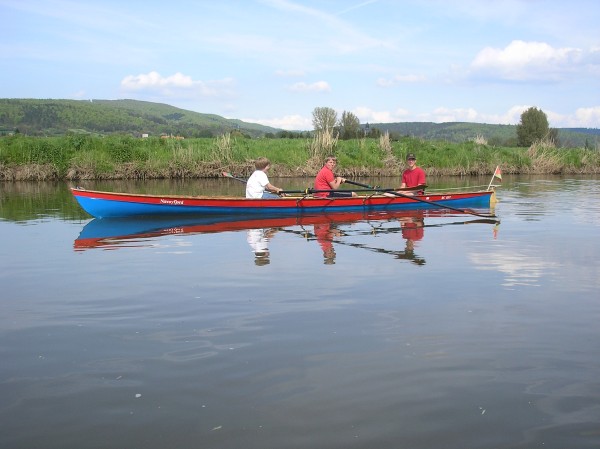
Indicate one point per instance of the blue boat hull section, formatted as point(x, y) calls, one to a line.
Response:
point(109, 208)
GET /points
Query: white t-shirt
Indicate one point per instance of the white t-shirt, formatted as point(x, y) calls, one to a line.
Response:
point(257, 182)
point(257, 240)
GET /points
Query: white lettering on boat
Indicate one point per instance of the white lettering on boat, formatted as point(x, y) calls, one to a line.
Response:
point(173, 202)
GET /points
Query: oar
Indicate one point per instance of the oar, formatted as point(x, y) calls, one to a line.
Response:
point(229, 175)
point(433, 203)
point(377, 188)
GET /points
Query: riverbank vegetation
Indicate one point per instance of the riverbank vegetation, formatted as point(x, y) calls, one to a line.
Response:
point(77, 156)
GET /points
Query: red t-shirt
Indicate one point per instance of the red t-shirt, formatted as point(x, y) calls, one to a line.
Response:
point(414, 177)
point(323, 235)
point(412, 231)
point(324, 177)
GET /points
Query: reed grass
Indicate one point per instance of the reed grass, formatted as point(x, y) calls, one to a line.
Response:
point(122, 157)
point(323, 144)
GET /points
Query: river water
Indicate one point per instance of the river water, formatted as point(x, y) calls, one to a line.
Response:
point(418, 330)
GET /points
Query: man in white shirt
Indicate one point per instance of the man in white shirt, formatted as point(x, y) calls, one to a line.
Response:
point(258, 185)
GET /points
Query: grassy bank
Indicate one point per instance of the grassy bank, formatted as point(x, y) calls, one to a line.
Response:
point(76, 157)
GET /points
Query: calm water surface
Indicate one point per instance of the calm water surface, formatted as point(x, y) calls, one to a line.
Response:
point(431, 330)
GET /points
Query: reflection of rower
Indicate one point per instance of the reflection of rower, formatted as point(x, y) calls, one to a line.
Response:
point(258, 239)
point(413, 230)
point(324, 234)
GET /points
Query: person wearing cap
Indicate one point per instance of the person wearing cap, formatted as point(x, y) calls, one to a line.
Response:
point(413, 176)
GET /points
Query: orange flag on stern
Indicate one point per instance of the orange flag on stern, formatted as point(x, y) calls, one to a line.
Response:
point(498, 173)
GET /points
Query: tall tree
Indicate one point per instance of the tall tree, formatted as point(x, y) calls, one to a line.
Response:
point(349, 126)
point(533, 126)
point(324, 119)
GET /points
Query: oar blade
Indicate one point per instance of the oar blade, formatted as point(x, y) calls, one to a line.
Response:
point(230, 176)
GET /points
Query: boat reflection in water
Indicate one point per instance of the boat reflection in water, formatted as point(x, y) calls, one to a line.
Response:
point(327, 230)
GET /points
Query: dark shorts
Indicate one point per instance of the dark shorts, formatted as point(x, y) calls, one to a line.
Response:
point(340, 194)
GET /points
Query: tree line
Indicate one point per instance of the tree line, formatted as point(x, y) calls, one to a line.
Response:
point(325, 119)
point(532, 127)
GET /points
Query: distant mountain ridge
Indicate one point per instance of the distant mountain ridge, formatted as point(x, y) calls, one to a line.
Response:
point(57, 117)
point(48, 117)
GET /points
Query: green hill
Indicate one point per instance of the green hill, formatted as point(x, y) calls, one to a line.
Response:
point(57, 117)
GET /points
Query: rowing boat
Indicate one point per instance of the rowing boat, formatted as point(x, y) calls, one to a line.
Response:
point(114, 204)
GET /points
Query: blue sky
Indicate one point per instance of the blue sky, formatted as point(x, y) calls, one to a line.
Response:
point(273, 61)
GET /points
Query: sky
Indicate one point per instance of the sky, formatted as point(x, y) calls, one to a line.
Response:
point(274, 61)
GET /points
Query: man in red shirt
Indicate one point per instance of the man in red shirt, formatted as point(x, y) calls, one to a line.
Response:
point(326, 180)
point(413, 176)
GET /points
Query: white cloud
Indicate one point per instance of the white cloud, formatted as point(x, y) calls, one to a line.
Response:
point(155, 80)
point(288, 122)
point(522, 61)
point(588, 117)
point(367, 115)
point(319, 86)
point(510, 117)
point(518, 267)
point(176, 85)
point(582, 118)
